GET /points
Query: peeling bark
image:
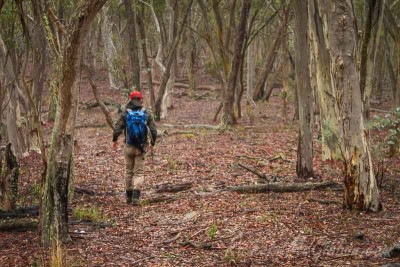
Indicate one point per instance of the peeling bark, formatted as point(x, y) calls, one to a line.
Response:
point(334, 26)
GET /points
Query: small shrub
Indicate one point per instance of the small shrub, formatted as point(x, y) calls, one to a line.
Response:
point(87, 214)
point(212, 231)
point(172, 165)
point(388, 128)
point(231, 257)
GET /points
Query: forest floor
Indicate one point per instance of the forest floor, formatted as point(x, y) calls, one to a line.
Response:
point(200, 226)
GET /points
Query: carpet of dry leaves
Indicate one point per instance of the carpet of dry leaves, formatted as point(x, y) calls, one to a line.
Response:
point(201, 227)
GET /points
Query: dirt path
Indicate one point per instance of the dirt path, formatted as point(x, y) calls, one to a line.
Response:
point(199, 228)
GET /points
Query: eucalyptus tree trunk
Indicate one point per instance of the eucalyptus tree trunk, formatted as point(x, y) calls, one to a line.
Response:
point(232, 91)
point(54, 210)
point(147, 66)
point(110, 50)
point(169, 61)
point(133, 46)
point(172, 32)
point(191, 54)
point(393, 28)
point(336, 35)
point(272, 55)
point(13, 112)
point(304, 166)
point(368, 61)
point(250, 73)
point(396, 102)
point(326, 94)
point(39, 45)
point(9, 173)
point(379, 72)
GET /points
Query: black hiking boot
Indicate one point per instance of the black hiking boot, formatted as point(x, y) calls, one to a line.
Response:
point(136, 197)
point(129, 194)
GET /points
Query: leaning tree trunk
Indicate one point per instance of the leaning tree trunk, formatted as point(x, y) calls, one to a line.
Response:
point(334, 22)
point(133, 46)
point(168, 65)
point(9, 172)
point(304, 166)
point(54, 217)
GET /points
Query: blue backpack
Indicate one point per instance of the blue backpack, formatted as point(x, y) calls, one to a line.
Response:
point(136, 128)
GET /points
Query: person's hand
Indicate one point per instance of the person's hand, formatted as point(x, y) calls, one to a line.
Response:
point(115, 145)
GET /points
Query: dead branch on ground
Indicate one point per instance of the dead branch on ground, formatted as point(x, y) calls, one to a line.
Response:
point(283, 187)
point(18, 225)
point(173, 188)
point(256, 172)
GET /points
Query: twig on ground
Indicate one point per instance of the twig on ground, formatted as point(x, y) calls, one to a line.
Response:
point(262, 176)
point(165, 242)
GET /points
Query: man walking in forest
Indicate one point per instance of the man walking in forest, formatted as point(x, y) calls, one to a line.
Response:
point(137, 124)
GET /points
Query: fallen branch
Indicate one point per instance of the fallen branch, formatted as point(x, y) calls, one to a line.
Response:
point(262, 176)
point(278, 157)
point(196, 245)
point(172, 239)
point(323, 202)
point(283, 187)
point(171, 188)
point(20, 212)
point(18, 225)
point(381, 111)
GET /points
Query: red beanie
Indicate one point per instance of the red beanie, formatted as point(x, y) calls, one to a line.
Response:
point(136, 94)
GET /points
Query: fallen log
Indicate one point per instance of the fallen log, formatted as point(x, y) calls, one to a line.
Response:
point(18, 225)
point(173, 188)
point(392, 252)
point(283, 187)
point(20, 212)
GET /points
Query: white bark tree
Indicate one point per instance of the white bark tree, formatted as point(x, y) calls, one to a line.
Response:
point(336, 36)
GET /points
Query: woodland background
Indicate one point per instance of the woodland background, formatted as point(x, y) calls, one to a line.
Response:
point(278, 131)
